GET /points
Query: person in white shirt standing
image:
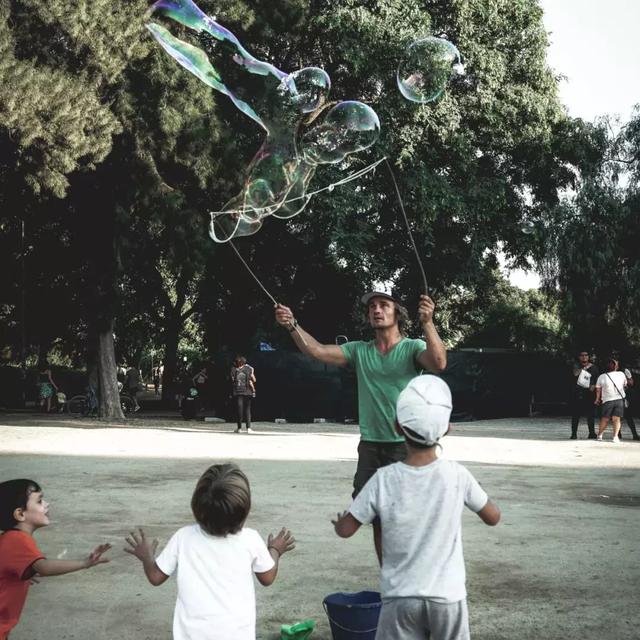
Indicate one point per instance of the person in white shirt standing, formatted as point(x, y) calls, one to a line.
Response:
point(215, 559)
point(419, 502)
point(610, 393)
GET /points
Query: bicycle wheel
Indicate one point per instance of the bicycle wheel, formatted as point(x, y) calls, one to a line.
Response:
point(127, 404)
point(78, 406)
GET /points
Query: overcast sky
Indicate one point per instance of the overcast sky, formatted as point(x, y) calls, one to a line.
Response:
point(596, 45)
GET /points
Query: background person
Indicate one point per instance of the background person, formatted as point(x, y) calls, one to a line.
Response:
point(583, 394)
point(46, 387)
point(631, 395)
point(215, 560)
point(384, 366)
point(243, 379)
point(419, 503)
point(199, 381)
point(610, 394)
point(156, 379)
point(133, 384)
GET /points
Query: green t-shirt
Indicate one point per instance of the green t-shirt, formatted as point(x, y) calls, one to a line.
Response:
point(381, 378)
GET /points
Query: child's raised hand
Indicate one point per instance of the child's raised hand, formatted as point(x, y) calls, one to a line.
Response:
point(283, 542)
point(95, 557)
point(139, 546)
point(339, 517)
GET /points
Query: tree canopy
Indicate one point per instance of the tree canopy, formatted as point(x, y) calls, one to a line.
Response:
point(112, 155)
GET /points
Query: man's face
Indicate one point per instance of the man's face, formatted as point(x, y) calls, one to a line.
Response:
point(583, 357)
point(382, 313)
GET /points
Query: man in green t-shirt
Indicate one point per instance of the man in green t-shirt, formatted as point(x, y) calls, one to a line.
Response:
point(384, 366)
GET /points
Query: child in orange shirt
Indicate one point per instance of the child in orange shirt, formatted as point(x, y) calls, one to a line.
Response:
point(22, 511)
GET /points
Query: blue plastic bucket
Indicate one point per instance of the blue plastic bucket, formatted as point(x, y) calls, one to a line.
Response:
point(353, 616)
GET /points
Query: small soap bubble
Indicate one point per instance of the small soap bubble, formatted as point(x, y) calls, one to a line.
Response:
point(426, 67)
point(528, 228)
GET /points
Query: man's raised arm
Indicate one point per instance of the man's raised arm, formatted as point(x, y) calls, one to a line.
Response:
point(327, 353)
point(434, 359)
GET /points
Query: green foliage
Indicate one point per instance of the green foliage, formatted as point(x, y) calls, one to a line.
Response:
point(591, 241)
point(499, 315)
point(139, 151)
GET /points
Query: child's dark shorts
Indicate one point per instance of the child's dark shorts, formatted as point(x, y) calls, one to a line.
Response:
point(372, 456)
point(420, 618)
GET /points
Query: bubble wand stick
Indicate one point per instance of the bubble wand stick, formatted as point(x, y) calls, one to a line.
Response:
point(406, 221)
point(255, 277)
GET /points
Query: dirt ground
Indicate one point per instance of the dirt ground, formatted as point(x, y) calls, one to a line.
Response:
point(563, 564)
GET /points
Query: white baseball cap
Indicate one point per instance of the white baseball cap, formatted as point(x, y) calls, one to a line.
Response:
point(376, 294)
point(424, 406)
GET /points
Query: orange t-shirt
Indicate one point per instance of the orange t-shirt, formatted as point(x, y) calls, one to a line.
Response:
point(18, 551)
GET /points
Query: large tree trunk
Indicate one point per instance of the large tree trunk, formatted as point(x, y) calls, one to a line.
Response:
point(170, 362)
point(110, 407)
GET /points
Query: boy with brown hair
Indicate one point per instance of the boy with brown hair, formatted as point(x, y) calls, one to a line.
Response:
point(215, 559)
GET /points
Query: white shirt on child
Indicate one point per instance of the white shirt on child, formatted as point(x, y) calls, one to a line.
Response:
point(420, 511)
point(606, 383)
point(216, 596)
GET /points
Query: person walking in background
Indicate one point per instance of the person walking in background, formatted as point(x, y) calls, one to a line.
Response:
point(629, 409)
point(610, 393)
point(133, 384)
point(200, 383)
point(156, 380)
point(46, 387)
point(243, 379)
point(583, 395)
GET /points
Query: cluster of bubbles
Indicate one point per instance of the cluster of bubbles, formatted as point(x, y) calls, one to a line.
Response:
point(281, 170)
point(278, 177)
point(426, 68)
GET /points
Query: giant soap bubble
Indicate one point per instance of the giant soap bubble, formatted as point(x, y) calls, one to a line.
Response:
point(279, 174)
point(426, 67)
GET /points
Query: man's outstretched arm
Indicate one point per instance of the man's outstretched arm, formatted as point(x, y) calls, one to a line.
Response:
point(327, 353)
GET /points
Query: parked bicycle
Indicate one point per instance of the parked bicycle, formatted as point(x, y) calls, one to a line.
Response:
point(80, 406)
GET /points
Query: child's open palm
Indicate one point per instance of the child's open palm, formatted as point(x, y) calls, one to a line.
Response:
point(140, 546)
point(283, 542)
point(95, 557)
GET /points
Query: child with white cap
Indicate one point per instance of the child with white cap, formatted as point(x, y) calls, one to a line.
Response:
point(419, 502)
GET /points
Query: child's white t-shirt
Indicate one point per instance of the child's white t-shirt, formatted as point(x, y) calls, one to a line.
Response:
point(420, 511)
point(216, 596)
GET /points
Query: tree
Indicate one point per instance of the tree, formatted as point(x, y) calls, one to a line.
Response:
point(591, 241)
point(474, 168)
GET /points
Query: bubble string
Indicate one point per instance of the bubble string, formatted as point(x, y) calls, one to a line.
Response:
point(352, 176)
point(406, 221)
point(255, 277)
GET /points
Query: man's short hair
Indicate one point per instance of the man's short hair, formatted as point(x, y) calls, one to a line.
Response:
point(221, 500)
point(14, 494)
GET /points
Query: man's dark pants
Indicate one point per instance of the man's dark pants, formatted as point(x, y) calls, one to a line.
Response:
point(582, 405)
point(372, 456)
point(628, 415)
